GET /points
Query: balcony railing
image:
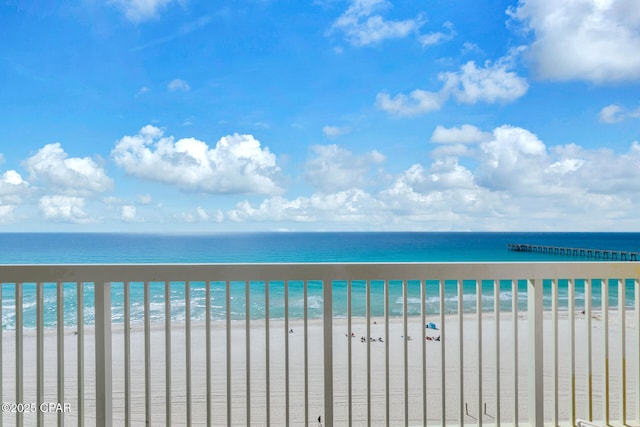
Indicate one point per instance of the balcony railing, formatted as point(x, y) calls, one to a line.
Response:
point(340, 344)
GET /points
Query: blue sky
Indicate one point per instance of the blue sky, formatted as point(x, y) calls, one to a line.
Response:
point(261, 115)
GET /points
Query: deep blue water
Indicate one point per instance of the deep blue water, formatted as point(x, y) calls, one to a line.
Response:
point(82, 248)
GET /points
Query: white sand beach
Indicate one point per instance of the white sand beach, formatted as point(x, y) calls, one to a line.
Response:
point(277, 334)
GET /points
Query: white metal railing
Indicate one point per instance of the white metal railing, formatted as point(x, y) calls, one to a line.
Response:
point(295, 386)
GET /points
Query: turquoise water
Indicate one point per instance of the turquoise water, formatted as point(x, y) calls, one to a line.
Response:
point(285, 247)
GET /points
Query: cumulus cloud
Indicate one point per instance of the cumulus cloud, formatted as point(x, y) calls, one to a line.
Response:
point(6, 214)
point(615, 113)
point(334, 168)
point(145, 199)
point(140, 10)
point(334, 131)
point(64, 208)
point(237, 163)
point(418, 102)
point(12, 184)
point(491, 83)
point(438, 37)
point(12, 192)
point(350, 206)
point(464, 134)
point(178, 85)
point(128, 213)
point(362, 27)
point(67, 175)
point(592, 40)
point(512, 161)
point(505, 179)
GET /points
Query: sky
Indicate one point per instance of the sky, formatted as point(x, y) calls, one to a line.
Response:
point(296, 115)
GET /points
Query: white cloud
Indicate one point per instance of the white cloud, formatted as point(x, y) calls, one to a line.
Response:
point(237, 163)
point(64, 208)
point(491, 83)
point(202, 214)
point(349, 206)
point(12, 183)
point(516, 182)
point(128, 213)
point(145, 199)
point(610, 114)
point(334, 131)
point(140, 10)
point(592, 40)
point(465, 134)
point(512, 160)
point(615, 113)
point(6, 214)
point(67, 175)
point(362, 27)
point(418, 102)
point(333, 168)
point(13, 190)
point(470, 84)
point(178, 85)
point(432, 39)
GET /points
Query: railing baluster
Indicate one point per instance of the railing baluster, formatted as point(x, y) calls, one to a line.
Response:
point(622, 308)
point(40, 350)
point(80, 351)
point(479, 330)
point(19, 353)
point(604, 285)
point(514, 312)
point(267, 353)
point(349, 364)
point(460, 285)
point(327, 289)
point(423, 317)
point(147, 354)
point(207, 323)
point(127, 354)
point(554, 344)
point(443, 381)
point(187, 335)
point(636, 297)
point(286, 352)
point(103, 354)
point(387, 409)
point(496, 309)
point(247, 347)
point(60, 346)
point(368, 328)
point(587, 314)
point(1, 350)
point(571, 295)
point(228, 343)
point(405, 314)
point(305, 310)
point(167, 351)
point(535, 330)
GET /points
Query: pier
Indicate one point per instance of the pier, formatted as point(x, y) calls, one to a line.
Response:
point(576, 252)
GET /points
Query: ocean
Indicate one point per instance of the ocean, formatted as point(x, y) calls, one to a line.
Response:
point(118, 248)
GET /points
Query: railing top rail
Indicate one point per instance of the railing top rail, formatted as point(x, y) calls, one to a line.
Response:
point(316, 271)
